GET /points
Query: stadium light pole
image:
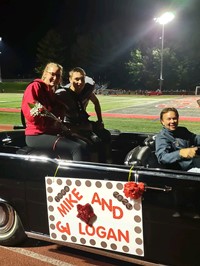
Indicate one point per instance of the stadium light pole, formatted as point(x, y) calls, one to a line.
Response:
point(0, 62)
point(163, 20)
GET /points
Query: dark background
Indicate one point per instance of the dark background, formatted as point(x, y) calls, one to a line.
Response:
point(24, 23)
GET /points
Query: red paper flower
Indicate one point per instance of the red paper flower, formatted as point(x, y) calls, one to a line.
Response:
point(85, 212)
point(134, 190)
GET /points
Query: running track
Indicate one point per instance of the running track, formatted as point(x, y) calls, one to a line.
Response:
point(115, 115)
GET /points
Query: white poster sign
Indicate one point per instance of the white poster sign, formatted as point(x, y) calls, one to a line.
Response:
point(95, 213)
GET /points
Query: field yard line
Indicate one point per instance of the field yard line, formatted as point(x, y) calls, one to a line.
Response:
point(134, 104)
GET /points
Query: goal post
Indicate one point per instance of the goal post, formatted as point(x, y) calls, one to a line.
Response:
point(197, 90)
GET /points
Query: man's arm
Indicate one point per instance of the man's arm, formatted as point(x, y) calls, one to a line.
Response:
point(165, 153)
point(97, 107)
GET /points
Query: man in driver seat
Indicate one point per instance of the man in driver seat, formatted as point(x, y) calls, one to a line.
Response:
point(176, 145)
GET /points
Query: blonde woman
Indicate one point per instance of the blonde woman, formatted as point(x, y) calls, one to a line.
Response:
point(43, 132)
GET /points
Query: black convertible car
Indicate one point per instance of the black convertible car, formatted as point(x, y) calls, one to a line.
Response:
point(132, 210)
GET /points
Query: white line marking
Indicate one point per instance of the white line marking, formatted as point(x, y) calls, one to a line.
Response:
point(38, 256)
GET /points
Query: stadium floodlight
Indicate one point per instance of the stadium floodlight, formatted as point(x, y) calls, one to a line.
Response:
point(163, 20)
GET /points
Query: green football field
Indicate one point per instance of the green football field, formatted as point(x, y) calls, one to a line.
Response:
point(119, 111)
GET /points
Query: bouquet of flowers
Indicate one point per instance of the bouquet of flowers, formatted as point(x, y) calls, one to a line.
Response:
point(37, 109)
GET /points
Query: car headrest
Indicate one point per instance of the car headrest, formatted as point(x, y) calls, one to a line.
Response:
point(138, 155)
point(150, 141)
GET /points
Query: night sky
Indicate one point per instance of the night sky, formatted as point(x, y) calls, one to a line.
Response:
point(24, 23)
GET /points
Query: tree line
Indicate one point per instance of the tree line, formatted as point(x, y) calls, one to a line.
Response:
point(139, 69)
